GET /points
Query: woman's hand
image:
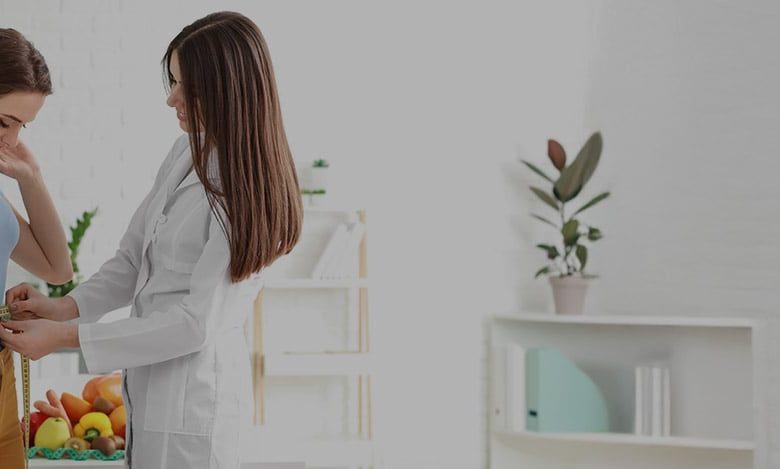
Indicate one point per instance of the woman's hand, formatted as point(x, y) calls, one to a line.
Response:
point(39, 337)
point(26, 302)
point(18, 163)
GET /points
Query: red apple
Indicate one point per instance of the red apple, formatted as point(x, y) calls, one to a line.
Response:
point(36, 419)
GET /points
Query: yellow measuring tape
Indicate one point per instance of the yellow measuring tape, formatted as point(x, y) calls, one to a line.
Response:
point(5, 315)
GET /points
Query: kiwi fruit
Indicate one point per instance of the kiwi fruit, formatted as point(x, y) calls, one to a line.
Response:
point(79, 444)
point(104, 445)
point(103, 405)
point(120, 442)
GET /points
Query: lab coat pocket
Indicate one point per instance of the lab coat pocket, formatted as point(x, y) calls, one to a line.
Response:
point(165, 396)
point(180, 266)
point(200, 398)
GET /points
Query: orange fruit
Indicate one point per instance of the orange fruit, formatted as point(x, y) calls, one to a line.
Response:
point(90, 391)
point(118, 421)
point(111, 388)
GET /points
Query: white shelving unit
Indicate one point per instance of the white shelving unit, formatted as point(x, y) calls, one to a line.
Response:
point(287, 352)
point(715, 421)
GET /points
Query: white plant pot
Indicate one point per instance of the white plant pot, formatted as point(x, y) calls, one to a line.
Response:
point(318, 179)
point(569, 293)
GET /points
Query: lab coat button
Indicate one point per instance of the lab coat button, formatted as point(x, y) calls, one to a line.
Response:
point(162, 219)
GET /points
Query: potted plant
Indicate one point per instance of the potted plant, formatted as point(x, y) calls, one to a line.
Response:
point(77, 232)
point(568, 256)
point(315, 186)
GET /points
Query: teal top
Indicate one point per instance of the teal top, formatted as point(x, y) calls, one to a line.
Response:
point(9, 236)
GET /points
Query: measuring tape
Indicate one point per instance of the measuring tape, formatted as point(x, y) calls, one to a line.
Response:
point(5, 315)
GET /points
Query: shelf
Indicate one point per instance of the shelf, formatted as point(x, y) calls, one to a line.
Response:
point(318, 364)
point(628, 439)
point(278, 284)
point(630, 320)
point(315, 452)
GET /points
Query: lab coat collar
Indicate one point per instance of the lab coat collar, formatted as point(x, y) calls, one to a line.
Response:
point(185, 165)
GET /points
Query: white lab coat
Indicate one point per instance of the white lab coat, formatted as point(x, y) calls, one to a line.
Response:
point(187, 378)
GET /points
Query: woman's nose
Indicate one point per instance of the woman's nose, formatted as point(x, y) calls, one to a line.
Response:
point(174, 98)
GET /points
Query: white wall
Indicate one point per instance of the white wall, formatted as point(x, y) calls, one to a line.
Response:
point(687, 98)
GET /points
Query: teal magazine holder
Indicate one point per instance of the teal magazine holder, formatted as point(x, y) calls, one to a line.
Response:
point(560, 397)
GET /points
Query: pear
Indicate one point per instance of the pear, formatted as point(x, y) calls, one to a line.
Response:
point(53, 433)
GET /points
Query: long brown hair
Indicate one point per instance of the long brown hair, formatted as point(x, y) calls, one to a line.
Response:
point(22, 67)
point(231, 97)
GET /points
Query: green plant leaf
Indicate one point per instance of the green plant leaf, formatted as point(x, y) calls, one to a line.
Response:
point(592, 202)
point(576, 175)
point(582, 256)
point(594, 234)
point(542, 271)
point(542, 219)
point(538, 171)
point(77, 232)
point(570, 232)
point(546, 198)
point(552, 251)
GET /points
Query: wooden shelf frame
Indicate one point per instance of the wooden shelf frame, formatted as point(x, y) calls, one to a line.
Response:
point(362, 380)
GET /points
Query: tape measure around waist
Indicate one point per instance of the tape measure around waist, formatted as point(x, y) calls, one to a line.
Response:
point(5, 315)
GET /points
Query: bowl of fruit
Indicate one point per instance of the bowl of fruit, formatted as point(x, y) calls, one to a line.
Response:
point(90, 426)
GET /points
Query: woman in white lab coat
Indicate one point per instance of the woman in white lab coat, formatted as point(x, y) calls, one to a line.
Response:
point(225, 204)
